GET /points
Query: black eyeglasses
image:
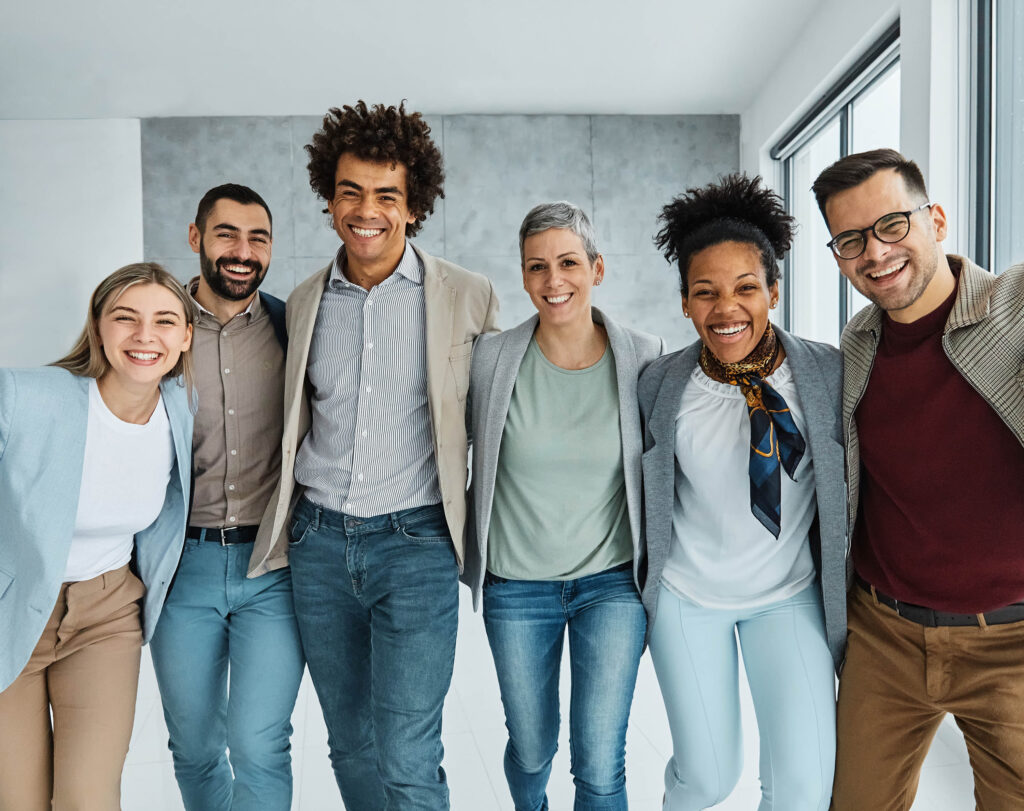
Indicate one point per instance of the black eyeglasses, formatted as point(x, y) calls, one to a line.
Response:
point(888, 228)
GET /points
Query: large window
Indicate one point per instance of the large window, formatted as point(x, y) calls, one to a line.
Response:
point(1007, 174)
point(862, 111)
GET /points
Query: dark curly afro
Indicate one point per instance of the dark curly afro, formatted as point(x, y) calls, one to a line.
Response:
point(736, 209)
point(381, 135)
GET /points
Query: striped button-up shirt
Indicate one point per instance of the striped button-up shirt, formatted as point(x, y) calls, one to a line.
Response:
point(370, 448)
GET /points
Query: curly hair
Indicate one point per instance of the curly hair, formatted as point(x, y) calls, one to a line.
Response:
point(736, 209)
point(381, 135)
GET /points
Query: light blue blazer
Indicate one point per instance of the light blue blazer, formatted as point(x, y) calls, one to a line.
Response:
point(493, 373)
point(43, 423)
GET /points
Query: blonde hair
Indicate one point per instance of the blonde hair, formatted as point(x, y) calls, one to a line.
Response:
point(87, 358)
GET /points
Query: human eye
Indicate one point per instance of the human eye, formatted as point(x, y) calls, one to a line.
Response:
point(703, 293)
point(569, 263)
point(891, 223)
point(535, 266)
point(848, 242)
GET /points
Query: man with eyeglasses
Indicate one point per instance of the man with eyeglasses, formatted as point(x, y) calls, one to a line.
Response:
point(933, 413)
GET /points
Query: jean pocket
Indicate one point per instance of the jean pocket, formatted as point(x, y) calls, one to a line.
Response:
point(430, 530)
point(298, 530)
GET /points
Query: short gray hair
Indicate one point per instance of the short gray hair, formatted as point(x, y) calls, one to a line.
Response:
point(562, 214)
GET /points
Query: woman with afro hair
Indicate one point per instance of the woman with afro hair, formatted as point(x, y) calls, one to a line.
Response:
point(745, 512)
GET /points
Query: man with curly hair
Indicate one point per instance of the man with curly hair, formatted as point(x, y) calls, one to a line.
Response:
point(375, 438)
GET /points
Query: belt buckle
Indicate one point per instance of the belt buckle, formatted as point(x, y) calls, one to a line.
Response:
point(223, 537)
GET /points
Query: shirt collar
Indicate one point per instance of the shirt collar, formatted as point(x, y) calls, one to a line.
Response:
point(409, 266)
point(251, 311)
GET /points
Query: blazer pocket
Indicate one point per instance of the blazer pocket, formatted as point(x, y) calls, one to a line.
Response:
point(459, 359)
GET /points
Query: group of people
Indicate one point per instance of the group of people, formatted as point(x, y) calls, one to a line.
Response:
point(254, 488)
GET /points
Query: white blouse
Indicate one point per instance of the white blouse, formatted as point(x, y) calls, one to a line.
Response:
point(124, 484)
point(721, 555)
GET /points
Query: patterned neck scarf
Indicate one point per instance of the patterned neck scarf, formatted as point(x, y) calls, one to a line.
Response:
point(775, 440)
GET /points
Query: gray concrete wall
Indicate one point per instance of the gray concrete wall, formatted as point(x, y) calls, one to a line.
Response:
point(620, 169)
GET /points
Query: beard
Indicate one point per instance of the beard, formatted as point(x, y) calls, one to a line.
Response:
point(224, 287)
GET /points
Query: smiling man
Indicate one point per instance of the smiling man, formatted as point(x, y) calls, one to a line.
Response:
point(933, 412)
point(218, 624)
point(375, 396)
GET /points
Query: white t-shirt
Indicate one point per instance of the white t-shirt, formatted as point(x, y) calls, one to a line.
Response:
point(124, 484)
point(721, 555)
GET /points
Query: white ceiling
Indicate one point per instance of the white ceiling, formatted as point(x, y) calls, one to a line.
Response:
point(140, 58)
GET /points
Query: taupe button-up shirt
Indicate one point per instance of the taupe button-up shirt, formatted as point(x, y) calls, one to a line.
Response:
point(236, 443)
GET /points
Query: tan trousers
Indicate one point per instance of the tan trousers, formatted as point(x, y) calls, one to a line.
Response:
point(85, 668)
point(900, 680)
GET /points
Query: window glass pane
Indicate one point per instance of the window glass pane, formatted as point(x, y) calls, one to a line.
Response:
point(1009, 136)
point(814, 278)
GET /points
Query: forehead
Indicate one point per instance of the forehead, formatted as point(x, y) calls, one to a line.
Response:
point(146, 298)
point(368, 174)
point(859, 207)
point(243, 216)
point(725, 263)
point(553, 241)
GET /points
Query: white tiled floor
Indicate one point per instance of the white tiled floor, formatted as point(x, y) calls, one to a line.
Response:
point(474, 739)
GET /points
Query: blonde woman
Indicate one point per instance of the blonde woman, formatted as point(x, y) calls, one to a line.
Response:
point(94, 483)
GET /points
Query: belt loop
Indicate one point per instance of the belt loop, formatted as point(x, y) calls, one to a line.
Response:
point(317, 510)
point(982, 623)
point(394, 522)
point(874, 596)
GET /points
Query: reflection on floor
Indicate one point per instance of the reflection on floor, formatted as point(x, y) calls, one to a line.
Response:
point(474, 740)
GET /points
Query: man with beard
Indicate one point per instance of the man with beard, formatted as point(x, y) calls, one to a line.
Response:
point(218, 624)
point(933, 412)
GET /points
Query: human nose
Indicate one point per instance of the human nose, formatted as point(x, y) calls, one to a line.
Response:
point(144, 332)
point(874, 248)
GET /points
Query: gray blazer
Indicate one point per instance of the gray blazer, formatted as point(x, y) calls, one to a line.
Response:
point(817, 372)
point(495, 366)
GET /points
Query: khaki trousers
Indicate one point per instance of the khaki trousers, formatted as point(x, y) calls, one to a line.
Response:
point(899, 680)
point(85, 668)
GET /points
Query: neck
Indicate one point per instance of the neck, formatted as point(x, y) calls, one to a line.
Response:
point(223, 309)
point(942, 284)
point(368, 274)
point(127, 401)
point(762, 360)
point(575, 345)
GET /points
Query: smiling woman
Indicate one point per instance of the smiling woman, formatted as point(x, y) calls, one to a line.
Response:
point(95, 454)
point(745, 511)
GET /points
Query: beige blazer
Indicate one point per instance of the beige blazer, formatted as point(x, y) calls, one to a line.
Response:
point(459, 306)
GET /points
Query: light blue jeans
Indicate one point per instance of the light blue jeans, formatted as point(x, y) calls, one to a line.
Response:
point(792, 682)
point(217, 626)
point(526, 622)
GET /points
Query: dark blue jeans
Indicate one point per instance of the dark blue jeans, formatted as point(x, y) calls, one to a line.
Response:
point(377, 603)
point(526, 622)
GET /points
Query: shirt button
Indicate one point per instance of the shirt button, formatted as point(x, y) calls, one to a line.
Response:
point(369, 389)
point(370, 345)
point(231, 487)
point(360, 477)
point(364, 432)
point(348, 506)
point(369, 302)
point(234, 452)
point(231, 412)
point(232, 519)
point(227, 371)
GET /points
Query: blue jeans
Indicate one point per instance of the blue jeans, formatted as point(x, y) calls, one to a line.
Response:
point(525, 622)
point(218, 625)
point(792, 682)
point(378, 606)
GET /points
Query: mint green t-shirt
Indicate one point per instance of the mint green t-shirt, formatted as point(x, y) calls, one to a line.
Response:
point(559, 508)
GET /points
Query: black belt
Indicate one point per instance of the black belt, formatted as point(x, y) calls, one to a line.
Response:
point(226, 536)
point(931, 618)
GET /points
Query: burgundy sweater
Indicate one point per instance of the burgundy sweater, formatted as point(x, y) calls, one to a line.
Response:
point(941, 520)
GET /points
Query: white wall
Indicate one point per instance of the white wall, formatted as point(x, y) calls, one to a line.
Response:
point(71, 204)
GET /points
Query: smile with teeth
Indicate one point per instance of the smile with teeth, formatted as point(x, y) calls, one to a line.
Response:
point(564, 297)
point(143, 355)
point(881, 274)
point(731, 329)
point(240, 270)
point(366, 233)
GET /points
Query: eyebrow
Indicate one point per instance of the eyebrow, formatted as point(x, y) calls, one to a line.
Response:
point(708, 281)
point(236, 230)
point(133, 311)
point(380, 190)
point(560, 256)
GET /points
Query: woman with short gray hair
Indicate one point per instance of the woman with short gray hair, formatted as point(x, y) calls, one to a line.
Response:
point(555, 538)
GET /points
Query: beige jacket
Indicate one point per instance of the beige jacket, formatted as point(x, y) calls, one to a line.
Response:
point(459, 306)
